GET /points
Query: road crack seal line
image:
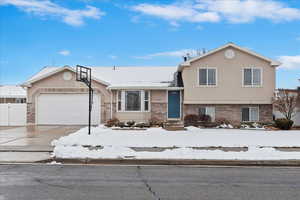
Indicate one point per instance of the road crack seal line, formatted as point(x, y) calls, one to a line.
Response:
point(149, 188)
point(50, 184)
point(12, 140)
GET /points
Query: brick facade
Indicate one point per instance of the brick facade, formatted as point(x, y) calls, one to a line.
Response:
point(30, 113)
point(159, 111)
point(232, 112)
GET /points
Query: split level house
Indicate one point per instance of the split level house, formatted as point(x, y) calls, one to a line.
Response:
point(228, 82)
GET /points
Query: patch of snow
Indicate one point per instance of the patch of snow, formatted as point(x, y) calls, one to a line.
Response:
point(225, 126)
point(193, 137)
point(54, 163)
point(117, 143)
point(117, 152)
point(192, 128)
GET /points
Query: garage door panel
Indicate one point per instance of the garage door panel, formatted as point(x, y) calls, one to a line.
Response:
point(66, 109)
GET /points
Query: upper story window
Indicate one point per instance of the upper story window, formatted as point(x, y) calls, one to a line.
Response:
point(252, 76)
point(207, 76)
point(133, 100)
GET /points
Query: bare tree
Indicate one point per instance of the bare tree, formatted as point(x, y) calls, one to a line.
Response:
point(286, 103)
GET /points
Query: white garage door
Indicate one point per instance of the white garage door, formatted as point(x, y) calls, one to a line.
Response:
point(66, 109)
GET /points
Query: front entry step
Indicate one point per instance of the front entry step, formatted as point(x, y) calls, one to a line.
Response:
point(174, 125)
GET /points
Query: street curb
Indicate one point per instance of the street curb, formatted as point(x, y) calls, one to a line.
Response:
point(279, 163)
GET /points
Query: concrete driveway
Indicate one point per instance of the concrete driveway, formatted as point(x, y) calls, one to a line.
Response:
point(30, 144)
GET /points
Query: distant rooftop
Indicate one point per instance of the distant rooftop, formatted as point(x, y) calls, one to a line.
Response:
point(12, 91)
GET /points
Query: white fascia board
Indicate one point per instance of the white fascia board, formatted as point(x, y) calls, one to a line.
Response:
point(12, 96)
point(143, 88)
point(188, 63)
point(29, 83)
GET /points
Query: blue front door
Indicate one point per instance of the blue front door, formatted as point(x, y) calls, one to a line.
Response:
point(174, 104)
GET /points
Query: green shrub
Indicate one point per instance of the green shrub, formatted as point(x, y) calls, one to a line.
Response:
point(284, 124)
point(191, 120)
point(121, 124)
point(130, 123)
point(112, 122)
point(208, 124)
point(204, 118)
point(142, 125)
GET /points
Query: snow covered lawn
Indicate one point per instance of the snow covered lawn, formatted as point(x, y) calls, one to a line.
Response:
point(108, 143)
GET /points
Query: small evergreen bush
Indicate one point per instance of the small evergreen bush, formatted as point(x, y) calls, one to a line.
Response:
point(191, 120)
point(284, 124)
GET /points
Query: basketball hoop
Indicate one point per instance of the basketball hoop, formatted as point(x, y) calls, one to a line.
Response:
point(83, 74)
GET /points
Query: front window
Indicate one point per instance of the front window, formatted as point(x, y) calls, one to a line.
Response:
point(252, 77)
point(208, 110)
point(133, 100)
point(207, 76)
point(250, 114)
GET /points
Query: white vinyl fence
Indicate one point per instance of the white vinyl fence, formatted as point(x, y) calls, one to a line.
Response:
point(13, 114)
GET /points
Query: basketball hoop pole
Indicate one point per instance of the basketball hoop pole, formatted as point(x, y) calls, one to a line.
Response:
point(90, 104)
point(83, 74)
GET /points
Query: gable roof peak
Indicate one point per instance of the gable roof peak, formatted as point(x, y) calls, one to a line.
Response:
point(229, 44)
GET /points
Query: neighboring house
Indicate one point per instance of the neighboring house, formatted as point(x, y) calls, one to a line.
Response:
point(229, 82)
point(12, 105)
point(12, 94)
point(296, 117)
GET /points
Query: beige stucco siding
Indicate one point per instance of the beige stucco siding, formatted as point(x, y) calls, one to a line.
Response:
point(57, 81)
point(56, 84)
point(229, 88)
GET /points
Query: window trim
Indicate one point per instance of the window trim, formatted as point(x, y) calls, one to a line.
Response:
point(144, 100)
point(119, 100)
point(250, 107)
point(198, 77)
point(252, 86)
point(123, 99)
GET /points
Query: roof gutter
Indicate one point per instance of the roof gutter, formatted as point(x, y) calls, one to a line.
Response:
point(143, 88)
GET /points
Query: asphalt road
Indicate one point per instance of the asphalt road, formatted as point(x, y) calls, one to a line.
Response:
point(45, 182)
